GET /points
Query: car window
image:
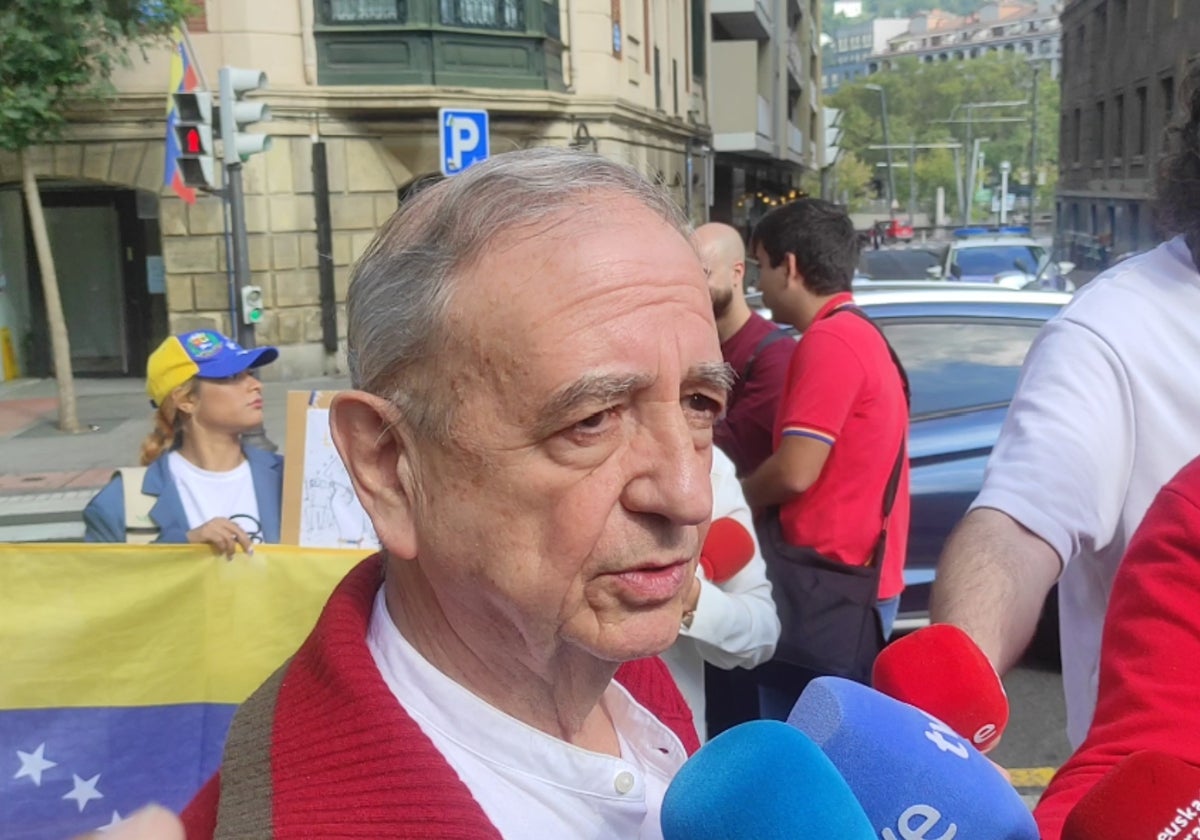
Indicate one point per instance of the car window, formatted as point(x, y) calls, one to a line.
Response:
point(991, 260)
point(897, 264)
point(955, 365)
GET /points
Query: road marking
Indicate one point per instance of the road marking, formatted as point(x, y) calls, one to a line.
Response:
point(1031, 777)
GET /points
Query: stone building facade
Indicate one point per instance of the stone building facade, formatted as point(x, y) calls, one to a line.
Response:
point(627, 78)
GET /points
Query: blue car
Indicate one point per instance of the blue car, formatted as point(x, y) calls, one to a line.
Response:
point(962, 346)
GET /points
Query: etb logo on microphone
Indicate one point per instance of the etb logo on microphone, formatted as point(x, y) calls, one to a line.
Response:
point(917, 822)
point(946, 739)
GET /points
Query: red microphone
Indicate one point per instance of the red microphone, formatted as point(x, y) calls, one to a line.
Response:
point(727, 549)
point(1146, 796)
point(940, 670)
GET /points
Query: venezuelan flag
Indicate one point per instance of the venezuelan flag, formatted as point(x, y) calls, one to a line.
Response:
point(183, 80)
point(122, 667)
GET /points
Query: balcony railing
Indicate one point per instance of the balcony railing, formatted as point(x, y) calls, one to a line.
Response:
point(365, 11)
point(483, 14)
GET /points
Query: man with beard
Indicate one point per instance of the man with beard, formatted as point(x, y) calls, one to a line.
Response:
point(756, 349)
point(759, 353)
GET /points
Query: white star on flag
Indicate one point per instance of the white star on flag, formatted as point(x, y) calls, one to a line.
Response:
point(113, 823)
point(84, 792)
point(34, 764)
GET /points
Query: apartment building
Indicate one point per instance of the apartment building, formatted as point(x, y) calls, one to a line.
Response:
point(766, 108)
point(1030, 28)
point(365, 78)
point(846, 55)
point(1122, 64)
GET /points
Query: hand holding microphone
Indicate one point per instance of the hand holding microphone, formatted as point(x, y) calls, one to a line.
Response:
point(727, 548)
point(940, 670)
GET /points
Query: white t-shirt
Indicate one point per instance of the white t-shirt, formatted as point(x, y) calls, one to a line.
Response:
point(735, 624)
point(207, 495)
point(528, 783)
point(1106, 411)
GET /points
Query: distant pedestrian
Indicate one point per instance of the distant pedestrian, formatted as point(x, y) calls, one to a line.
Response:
point(199, 483)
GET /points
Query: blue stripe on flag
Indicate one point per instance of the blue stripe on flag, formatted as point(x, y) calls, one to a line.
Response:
point(68, 771)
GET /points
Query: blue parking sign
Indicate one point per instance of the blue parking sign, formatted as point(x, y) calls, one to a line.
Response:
point(464, 138)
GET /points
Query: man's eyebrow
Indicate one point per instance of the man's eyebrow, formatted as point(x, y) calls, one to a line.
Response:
point(715, 375)
point(595, 389)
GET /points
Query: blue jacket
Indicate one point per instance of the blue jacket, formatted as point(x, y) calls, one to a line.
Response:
point(104, 516)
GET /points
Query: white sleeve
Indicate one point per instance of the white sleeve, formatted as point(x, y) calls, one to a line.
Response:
point(1062, 464)
point(735, 622)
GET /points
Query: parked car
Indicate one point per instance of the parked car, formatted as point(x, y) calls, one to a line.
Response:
point(895, 264)
point(962, 347)
point(1006, 256)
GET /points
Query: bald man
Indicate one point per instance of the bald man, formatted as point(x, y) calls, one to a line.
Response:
point(756, 349)
point(759, 352)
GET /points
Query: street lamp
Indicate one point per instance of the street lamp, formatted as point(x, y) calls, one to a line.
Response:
point(887, 142)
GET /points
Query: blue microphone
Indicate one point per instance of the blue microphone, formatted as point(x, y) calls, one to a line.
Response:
point(762, 780)
point(913, 775)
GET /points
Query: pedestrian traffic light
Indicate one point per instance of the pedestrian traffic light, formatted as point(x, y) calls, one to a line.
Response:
point(252, 304)
point(237, 113)
point(194, 138)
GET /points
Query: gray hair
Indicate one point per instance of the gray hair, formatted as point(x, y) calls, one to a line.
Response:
point(402, 285)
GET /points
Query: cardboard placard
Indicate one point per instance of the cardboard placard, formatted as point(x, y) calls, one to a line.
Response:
point(320, 508)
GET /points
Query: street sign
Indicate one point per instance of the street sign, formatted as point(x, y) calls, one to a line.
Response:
point(463, 138)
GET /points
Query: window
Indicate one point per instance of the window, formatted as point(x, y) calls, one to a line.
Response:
point(366, 11)
point(1139, 143)
point(1119, 128)
point(699, 39)
point(959, 365)
point(1077, 134)
point(485, 14)
point(1099, 132)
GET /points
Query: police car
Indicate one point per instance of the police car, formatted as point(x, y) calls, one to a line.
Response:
point(1005, 256)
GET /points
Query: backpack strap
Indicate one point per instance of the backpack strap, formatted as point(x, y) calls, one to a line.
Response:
point(763, 343)
point(140, 529)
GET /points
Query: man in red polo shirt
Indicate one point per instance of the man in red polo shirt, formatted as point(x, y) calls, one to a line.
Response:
point(843, 417)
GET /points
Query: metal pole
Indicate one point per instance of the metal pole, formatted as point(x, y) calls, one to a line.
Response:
point(970, 172)
point(320, 173)
point(887, 142)
point(1033, 149)
point(1004, 170)
point(912, 179)
point(958, 182)
point(240, 257)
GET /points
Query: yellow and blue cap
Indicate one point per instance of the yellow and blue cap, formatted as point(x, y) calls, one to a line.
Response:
point(203, 353)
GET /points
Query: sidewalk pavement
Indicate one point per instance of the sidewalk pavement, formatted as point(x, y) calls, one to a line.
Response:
point(48, 476)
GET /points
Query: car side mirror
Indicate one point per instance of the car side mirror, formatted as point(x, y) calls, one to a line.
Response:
point(956, 271)
point(1066, 267)
point(934, 271)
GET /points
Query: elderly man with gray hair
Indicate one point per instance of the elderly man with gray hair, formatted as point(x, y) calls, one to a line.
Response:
point(537, 376)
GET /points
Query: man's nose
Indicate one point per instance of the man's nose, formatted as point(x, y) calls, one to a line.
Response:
point(670, 471)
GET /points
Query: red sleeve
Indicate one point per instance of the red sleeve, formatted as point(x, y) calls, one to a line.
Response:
point(1149, 681)
point(200, 815)
point(825, 380)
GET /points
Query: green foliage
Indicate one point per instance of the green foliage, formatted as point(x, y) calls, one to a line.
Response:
point(55, 52)
point(926, 103)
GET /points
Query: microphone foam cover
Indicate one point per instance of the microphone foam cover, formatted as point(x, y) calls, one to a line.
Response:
point(940, 670)
point(1147, 795)
point(728, 547)
point(762, 780)
point(913, 775)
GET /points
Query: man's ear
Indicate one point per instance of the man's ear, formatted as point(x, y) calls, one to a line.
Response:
point(793, 271)
point(739, 273)
point(371, 437)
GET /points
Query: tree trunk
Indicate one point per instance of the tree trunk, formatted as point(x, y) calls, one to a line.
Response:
point(68, 419)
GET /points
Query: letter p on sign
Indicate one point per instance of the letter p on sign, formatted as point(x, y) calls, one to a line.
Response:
point(463, 138)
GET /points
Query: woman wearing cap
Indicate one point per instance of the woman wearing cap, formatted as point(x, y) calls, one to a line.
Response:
point(199, 482)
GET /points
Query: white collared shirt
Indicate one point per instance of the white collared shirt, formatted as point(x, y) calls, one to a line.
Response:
point(529, 783)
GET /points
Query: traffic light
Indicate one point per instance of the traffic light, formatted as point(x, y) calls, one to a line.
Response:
point(252, 304)
point(194, 137)
point(237, 113)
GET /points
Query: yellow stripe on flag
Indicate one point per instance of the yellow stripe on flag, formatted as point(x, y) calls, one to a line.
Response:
point(116, 625)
